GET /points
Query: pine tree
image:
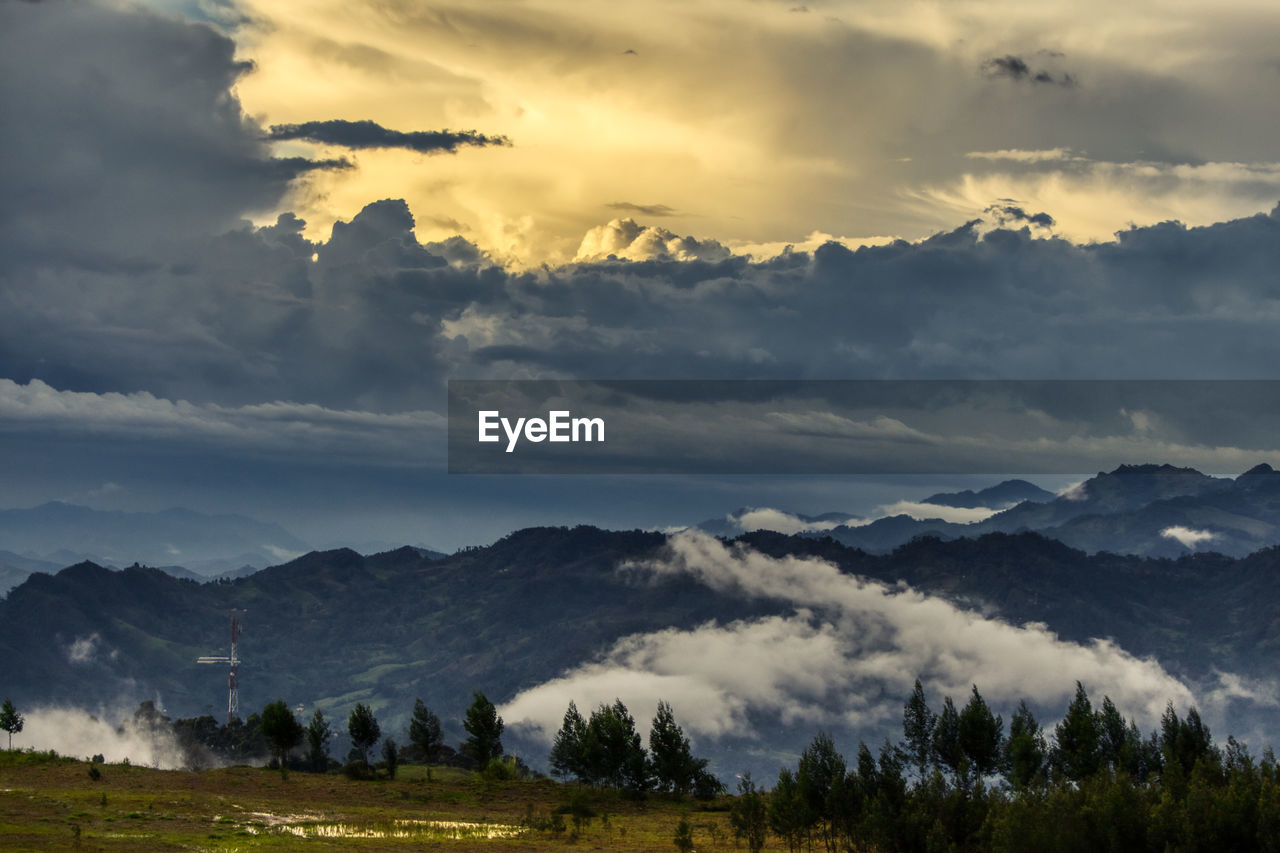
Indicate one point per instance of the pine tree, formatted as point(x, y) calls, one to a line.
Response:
point(364, 730)
point(917, 728)
point(484, 729)
point(672, 760)
point(613, 753)
point(1077, 754)
point(749, 815)
point(981, 735)
point(820, 771)
point(424, 733)
point(946, 740)
point(567, 757)
point(318, 733)
point(1112, 735)
point(1025, 750)
point(789, 816)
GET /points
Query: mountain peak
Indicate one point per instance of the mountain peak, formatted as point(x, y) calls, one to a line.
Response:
point(1153, 468)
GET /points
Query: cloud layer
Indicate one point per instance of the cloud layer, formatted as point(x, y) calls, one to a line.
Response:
point(844, 657)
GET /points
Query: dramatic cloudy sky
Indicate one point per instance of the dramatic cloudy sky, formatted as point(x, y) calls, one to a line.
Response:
point(243, 245)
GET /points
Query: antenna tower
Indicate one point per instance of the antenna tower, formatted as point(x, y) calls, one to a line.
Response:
point(232, 661)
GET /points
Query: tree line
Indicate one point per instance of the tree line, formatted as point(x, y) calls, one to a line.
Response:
point(606, 750)
point(957, 781)
point(277, 734)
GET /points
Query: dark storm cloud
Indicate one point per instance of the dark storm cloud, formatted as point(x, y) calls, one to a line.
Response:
point(1016, 68)
point(1008, 213)
point(121, 133)
point(126, 268)
point(378, 321)
point(368, 134)
point(645, 209)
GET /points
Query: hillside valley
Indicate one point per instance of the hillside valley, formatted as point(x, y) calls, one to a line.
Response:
point(332, 628)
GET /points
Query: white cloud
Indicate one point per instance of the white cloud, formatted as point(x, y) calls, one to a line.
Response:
point(923, 511)
point(1231, 687)
point(782, 522)
point(1074, 491)
point(766, 518)
point(626, 238)
point(1092, 200)
point(281, 554)
point(846, 655)
point(75, 732)
point(1189, 537)
point(84, 649)
point(1019, 155)
point(763, 250)
point(276, 426)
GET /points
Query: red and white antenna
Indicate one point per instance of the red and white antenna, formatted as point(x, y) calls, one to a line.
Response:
point(232, 660)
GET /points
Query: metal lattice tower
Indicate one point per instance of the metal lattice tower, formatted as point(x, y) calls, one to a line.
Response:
point(232, 661)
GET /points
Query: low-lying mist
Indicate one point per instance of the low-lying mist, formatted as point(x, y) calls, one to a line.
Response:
point(116, 735)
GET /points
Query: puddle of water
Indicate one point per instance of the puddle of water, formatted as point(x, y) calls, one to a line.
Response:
point(314, 826)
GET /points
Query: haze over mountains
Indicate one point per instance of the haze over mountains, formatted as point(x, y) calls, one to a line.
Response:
point(756, 642)
point(181, 542)
point(1153, 510)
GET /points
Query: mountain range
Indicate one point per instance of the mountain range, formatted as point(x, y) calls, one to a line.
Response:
point(1150, 510)
point(559, 606)
point(330, 629)
point(206, 545)
point(180, 542)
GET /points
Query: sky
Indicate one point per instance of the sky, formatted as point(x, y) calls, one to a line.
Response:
point(245, 245)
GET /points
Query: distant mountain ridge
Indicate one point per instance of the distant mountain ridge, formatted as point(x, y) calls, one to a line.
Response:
point(999, 496)
point(177, 535)
point(333, 628)
point(181, 542)
point(1135, 509)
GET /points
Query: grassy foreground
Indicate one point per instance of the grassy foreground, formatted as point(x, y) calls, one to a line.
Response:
point(52, 803)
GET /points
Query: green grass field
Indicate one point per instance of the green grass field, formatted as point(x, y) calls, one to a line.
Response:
point(52, 803)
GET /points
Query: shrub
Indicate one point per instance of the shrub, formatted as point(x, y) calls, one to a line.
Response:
point(357, 770)
point(502, 769)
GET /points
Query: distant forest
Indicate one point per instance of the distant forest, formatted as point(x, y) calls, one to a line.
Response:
point(959, 779)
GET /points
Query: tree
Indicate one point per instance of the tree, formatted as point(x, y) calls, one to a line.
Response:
point(684, 836)
point(484, 730)
point(946, 740)
point(789, 817)
point(1184, 741)
point(981, 735)
point(612, 751)
point(821, 770)
point(318, 734)
point(1078, 753)
point(673, 764)
point(1024, 751)
point(424, 733)
point(282, 730)
point(391, 755)
point(567, 751)
point(364, 730)
point(10, 720)
point(917, 728)
point(1115, 747)
point(749, 815)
